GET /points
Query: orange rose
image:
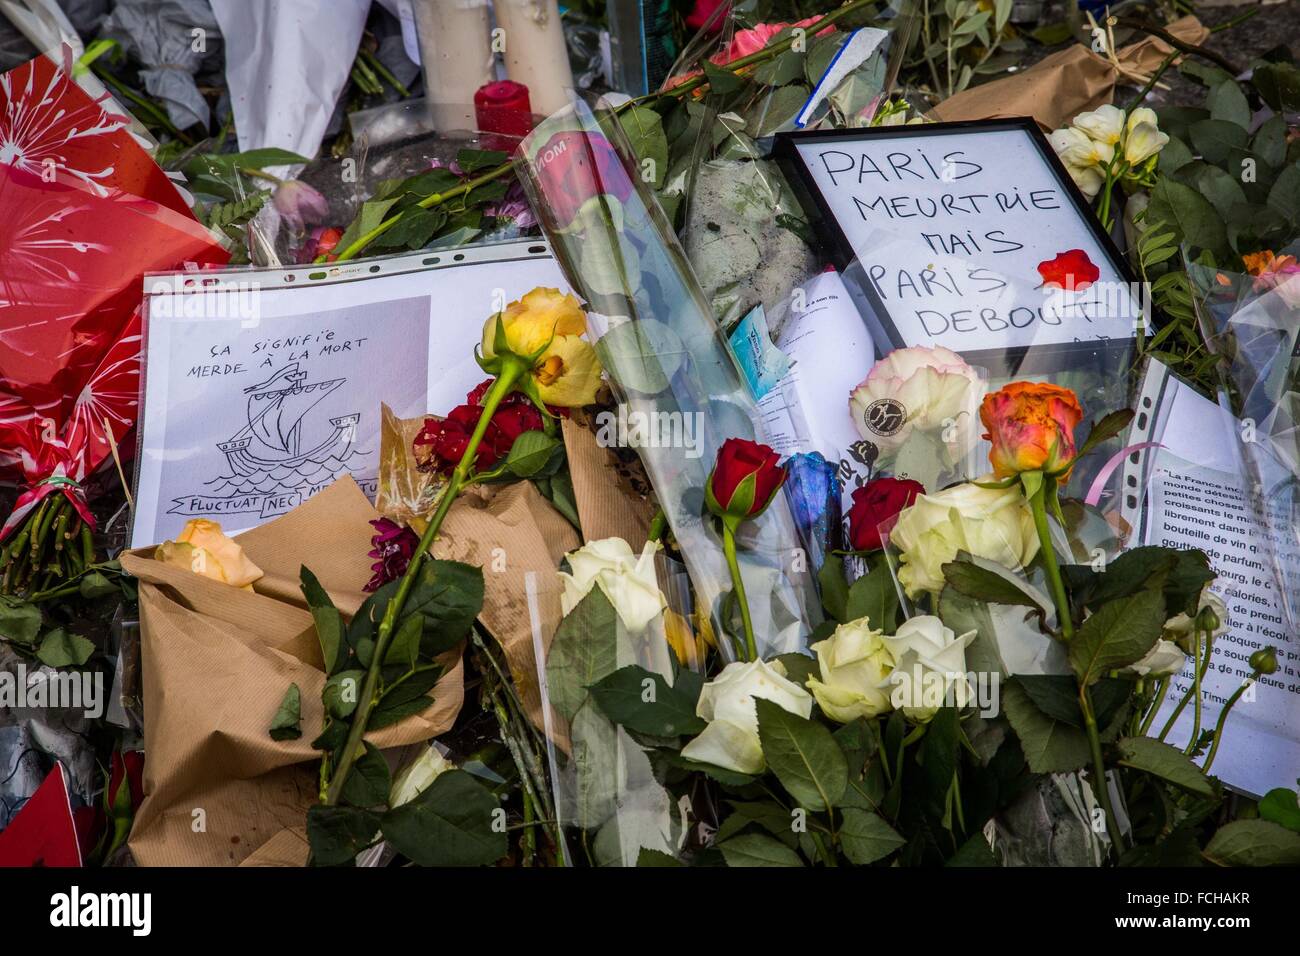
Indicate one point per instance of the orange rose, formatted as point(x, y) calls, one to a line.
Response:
point(1031, 426)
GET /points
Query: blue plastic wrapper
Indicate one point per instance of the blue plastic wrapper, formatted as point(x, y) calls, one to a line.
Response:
point(813, 490)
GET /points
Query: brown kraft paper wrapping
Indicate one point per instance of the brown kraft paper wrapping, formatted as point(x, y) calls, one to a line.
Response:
point(216, 662)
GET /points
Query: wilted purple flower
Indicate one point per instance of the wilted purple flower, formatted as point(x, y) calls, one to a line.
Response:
point(393, 547)
point(301, 205)
point(514, 207)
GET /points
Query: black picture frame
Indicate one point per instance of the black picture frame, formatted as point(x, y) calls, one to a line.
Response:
point(836, 247)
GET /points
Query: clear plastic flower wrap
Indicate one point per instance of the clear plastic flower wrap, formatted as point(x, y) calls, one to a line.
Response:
point(741, 226)
point(1252, 320)
point(681, 393)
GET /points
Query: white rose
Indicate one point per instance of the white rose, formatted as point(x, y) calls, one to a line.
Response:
point(931, 666)
point(417, 776)
point(931, 388)
point(854, 663)
point(628, 581)
point(1163, 660)
point(986, 522)
point(727, 703)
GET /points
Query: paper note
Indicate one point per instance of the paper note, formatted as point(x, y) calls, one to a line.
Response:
point(1191, 505)
point(263, 386)
point(968, 239)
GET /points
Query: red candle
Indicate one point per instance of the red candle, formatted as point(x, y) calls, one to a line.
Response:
point(503, 107)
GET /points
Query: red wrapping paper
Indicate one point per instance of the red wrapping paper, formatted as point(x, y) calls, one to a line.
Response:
point(86, 215)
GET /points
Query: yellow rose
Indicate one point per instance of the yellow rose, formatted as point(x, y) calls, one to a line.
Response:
point(203, 548)
point(545, 328)
point(854, 664)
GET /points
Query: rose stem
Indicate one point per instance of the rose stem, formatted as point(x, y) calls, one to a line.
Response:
point(501, 386)
point(1197, 675)
point(1065, 620)
point(1223, 717)
point(738, 584)
point(1186, 698)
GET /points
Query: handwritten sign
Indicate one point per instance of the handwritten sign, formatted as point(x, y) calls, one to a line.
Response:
point(264, 386)
point(966, 235)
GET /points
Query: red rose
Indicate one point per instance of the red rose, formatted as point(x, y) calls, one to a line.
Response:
point(877, 502)
point(448, 438)
point(744, 480)
point(573, 167)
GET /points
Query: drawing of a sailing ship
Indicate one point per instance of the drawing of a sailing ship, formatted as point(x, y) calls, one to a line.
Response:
point(273, 436)
point(278, 458)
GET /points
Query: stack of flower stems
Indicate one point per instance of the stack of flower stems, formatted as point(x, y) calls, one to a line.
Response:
point(53, 545)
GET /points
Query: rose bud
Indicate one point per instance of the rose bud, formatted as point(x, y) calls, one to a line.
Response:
point(574, 167)
point(744, 480)
point(1031, 426)
point(1264, 660)
point(877, 502)
point(301, 205)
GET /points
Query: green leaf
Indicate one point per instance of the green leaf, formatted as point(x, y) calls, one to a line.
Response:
point(1278, 84)
point(341, 692)
point(781, 69)
point(1158, 758)
point(1254, 843)
point(337, 834)
point(582, 653)
point(874, 597)
point(975, 852)
point(284, 725)
point(449, 595)
point(1174, 156)
point(1284, 197)
point(413, 230)
point(757, 849)
point(427, 183)
point(531, 452)
point(369, 783)
point(1049, 745)
point(803, 755)
point(329, 623)
point(404, 648)
point(473, 160)
point(865, 837)
point(799, 667)
point(642, 356)
point(1222, 190)
point(985, 584)
point(1282, 807)
point(622, 696)
point(821, 55)
point(1227, 102)
point(1117, 634)
point(1190, 213)
point(722, 81)
point(772, 817)
point(95, 585)
point(1269, 142)
point(372, 213)
point(778, 110)
point(266, 156)
point(61, 648)
point(834, 588)
point(19, 622)
point(652, 858)
point(1106, 428)
point(452, 822)
point(645, 131)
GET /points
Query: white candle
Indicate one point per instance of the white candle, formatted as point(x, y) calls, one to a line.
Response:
point(458, 59)
point(535, 53)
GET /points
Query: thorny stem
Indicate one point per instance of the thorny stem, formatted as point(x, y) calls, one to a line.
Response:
point(501, 387)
